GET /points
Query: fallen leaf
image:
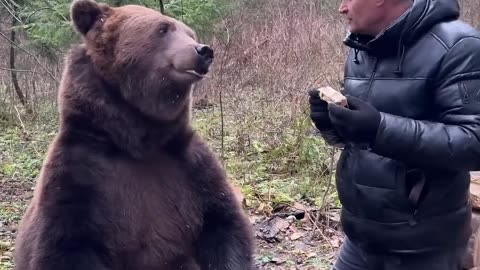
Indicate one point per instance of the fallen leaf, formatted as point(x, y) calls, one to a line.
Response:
point(296, 236)
point(277, 261)
point(270, 229)
point(335, 242)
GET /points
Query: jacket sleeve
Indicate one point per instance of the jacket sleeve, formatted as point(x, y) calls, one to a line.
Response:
point(451, 140)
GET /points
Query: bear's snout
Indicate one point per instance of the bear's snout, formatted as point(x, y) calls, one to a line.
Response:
point(206, 57)
point(205, 52)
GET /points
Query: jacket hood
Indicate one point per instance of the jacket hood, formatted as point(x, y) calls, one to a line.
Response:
point(418, 19)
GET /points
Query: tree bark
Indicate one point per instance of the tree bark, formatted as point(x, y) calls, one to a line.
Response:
point(162, 6)
point(16, 86)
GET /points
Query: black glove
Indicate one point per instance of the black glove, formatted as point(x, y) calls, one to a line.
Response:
point(319, 111)
point(320, 117)
point(359, 123)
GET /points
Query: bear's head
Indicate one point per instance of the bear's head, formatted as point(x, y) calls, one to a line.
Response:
point(150, 58)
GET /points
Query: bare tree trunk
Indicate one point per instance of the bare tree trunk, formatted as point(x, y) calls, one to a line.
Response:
point(16, 86)
point(162, 6)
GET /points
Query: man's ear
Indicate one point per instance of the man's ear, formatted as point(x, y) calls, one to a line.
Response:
point(379, 3)
point(84, 14)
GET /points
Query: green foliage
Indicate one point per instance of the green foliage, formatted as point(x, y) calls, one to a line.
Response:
point(47, 26)
point(10, 213)
point(47, 23)
point(6, 265)
point(272, 169)
point(201, 15)
point(23, 152)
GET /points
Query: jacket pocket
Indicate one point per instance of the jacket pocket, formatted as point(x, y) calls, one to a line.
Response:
point(415, 186)
point(387, 185)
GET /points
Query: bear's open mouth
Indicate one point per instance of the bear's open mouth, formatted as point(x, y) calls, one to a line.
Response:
point(196, 73)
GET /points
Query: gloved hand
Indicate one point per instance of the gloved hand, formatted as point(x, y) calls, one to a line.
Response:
point(358, 123)
point(320, 117)
point(319, 111)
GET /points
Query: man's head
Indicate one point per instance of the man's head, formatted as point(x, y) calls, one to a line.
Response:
point(372, 16)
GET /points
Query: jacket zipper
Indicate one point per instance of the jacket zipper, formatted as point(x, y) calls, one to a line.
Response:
point(413, 219)
point(465, 93)
point(372, 78)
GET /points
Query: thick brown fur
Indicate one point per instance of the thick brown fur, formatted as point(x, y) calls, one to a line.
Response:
point(127, 184)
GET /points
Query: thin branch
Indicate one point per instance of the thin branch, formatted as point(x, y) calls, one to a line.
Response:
point(222, 66)
point(11, 12)
point(44, 8)
point(14, 3)
point(330, 180)
point(317, 229)
point(16, 86)
point(8, 5)
point(23, 71)
point(53, 8)
point(33, 56)
point(162, 6)
point(181, 3)
point(20, 118)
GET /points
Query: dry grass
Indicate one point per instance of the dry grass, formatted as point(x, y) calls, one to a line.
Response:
point(275, 58)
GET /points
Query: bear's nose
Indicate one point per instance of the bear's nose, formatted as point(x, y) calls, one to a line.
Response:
point(205, 52)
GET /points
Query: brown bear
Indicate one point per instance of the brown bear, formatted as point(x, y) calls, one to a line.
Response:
point(127, 184)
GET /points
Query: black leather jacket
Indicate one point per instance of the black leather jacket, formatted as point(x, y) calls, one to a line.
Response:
point(409, 190)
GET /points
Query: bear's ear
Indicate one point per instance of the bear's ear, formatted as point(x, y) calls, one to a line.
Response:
point(84, 14)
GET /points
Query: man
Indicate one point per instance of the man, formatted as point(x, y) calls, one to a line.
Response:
point(411, 134)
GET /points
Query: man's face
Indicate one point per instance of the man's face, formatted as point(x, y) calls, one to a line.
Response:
point(363, 15)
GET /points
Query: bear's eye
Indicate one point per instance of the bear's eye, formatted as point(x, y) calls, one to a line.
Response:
point(163, 28)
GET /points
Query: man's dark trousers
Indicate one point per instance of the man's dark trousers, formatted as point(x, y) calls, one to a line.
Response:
point(352, 257)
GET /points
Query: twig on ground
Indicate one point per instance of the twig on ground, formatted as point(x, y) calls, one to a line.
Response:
point(20, 119)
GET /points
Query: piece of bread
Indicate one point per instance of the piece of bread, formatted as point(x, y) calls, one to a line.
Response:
point(331, 95)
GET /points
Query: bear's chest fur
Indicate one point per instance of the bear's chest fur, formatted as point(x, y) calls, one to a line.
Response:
point(151, 207)
point(147, 213)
